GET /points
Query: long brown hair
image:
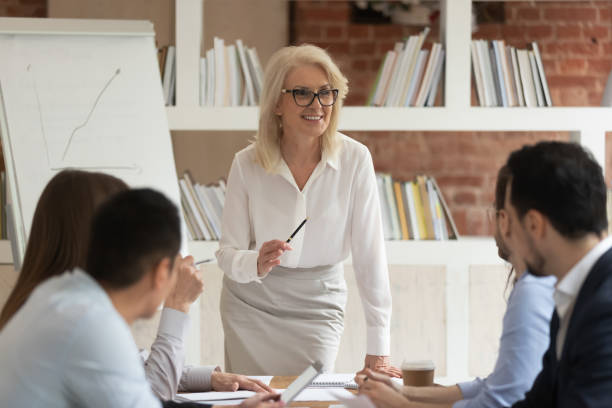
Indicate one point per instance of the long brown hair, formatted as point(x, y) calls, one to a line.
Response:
point(60, 230)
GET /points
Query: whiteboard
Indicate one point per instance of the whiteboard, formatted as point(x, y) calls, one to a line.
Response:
point(82, 94)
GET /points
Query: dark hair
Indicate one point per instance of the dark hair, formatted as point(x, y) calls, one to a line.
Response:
point(562, 181)
point(503, 177)
point(60, 230)
point(131, 233)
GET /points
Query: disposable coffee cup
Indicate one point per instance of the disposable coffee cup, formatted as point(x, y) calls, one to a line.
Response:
point(418, 373)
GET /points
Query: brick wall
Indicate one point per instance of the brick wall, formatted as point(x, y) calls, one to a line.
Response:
point(575, 40)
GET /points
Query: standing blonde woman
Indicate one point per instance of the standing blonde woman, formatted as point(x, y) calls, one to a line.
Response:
point(282, 304)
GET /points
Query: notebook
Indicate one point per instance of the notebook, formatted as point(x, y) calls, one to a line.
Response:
point(334, 380)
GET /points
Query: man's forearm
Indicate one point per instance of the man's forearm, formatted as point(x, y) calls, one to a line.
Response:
point(433, 394)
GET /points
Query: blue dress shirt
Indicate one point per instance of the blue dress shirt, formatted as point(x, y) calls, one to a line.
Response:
point(524, 339)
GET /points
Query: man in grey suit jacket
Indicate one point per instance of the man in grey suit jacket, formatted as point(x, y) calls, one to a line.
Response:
point(557, 223)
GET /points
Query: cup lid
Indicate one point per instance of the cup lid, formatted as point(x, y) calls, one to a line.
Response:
point(418, 365)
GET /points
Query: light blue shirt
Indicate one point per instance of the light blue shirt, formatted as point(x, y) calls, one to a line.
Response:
point(524, 339)
point(69, 347)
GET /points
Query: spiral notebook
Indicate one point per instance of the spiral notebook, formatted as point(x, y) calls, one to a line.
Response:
point(334, 380)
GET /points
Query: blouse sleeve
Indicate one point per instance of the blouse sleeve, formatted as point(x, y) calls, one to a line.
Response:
point(234, 258)
point(370, 259)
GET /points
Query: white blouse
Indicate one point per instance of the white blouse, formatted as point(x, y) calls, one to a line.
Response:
point(340, 200)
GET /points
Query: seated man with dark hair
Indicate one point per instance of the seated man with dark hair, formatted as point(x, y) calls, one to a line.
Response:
point(70, 344)
point(556, 206)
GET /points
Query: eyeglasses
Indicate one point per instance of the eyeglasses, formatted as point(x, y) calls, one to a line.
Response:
point(304, 97)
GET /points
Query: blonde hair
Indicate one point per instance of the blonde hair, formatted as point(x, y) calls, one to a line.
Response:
point(267, 139)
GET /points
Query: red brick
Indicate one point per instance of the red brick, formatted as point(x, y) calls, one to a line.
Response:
point(598, 32)
point(360, 31)
point(383, 46)
point(538, 32)
point(599, 66)
point(568, 31)
point(334, 48)
point(335, 33)
point(367, 48)
point(360, 65)
point(530, 13)
point(309, 32)
point(388, 32)
point(572, 66)
point(605, 14)
point(574, 97)
point(324, 14)
point(571, 14)
point(464, 198)
point(512, 32)
point(461, 180)
point(487, 31)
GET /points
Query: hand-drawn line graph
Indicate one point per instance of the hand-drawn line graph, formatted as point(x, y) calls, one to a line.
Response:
point(81, 126)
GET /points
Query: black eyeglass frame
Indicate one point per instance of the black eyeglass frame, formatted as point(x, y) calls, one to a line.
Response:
point(293, 91)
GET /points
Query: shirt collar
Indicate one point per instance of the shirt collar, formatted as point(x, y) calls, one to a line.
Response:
point(567, 289)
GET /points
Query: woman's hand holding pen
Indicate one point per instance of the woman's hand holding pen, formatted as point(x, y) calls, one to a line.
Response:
point(269, 255)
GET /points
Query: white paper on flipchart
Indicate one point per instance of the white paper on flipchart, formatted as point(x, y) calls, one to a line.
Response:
point(103, 111)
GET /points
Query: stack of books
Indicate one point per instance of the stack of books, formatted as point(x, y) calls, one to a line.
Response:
point(409, 75)
point(230, 75)
point(414, 209)
point(507, 76)
point(167, 67)
point(202, 208)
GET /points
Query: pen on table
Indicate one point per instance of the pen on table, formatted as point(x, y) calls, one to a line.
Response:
point(203, 261)
point(296, 230)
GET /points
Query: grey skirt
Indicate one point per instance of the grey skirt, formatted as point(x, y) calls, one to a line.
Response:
point(278, 327)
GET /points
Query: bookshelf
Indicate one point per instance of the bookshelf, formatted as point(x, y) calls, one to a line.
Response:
point(586, 125)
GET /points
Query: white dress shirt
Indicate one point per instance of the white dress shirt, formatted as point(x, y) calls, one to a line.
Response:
point(340, 200)
point(69, 347)
point(568, 288)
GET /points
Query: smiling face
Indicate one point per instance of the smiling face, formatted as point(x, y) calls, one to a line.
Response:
point(304, 121)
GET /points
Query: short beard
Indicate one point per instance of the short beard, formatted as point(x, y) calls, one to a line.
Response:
point(536, 267)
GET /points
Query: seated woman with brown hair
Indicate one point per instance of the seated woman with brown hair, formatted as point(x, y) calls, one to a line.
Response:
point(58, 242)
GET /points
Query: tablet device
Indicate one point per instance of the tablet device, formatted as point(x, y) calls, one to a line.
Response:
point(301, 382)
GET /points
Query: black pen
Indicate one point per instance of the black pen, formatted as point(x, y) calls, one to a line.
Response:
point(203, 261)
point(296, 230)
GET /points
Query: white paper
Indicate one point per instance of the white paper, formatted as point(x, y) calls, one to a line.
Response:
point(321, 394)
point(216, 396)
point(352, 400)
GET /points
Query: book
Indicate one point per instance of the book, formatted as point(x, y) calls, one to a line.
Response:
point(505, 68)
point(419, 212)
point(334, 380)
point(384, 208)
point(404, 98)
point(537, 84)
point(169, 74)
point(395, 225)
point(478, 79)
point(401, 212)
point(500, 85)
point(428, 75)
point(526, 78)
point(427, 216)
point(248, 80)
point(203, 79)
point(431, 99)
point(517, 77)
point(210, 77)
point(417, 74)
point(447, 214)
point(219, 47)
point(541, 74)
point(406, 210)
point(511, 77)
point(400, 72)
point(412, 210)
point(485, 58)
